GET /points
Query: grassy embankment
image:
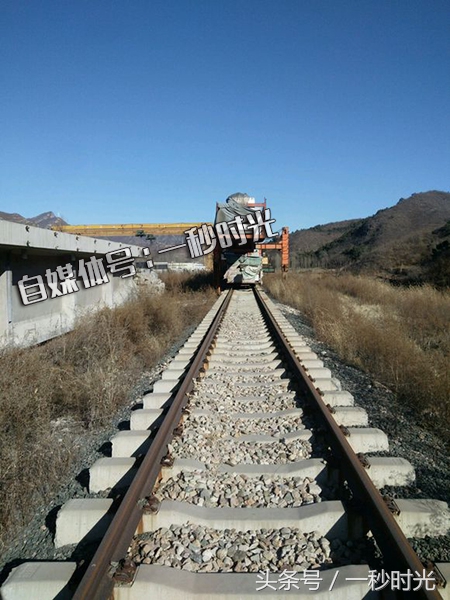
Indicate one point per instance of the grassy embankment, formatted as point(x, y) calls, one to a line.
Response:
point(77, 382)
point(400, 336)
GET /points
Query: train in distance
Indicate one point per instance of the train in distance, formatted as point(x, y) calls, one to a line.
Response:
point(244, 264)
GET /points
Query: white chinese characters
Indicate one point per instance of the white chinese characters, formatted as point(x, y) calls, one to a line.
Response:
point(376, 580)
point(203, 240)
point(91, 272)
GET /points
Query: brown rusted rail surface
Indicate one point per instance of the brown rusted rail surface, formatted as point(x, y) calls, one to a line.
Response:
point(97, 583)
point(398, 555)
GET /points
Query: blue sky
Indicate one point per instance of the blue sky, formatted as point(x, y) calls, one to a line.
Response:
point(151, 111)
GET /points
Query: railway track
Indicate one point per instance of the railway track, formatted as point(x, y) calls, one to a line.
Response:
point(248, 472)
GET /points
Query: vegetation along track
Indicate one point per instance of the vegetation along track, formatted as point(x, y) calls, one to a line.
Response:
point(252, 474)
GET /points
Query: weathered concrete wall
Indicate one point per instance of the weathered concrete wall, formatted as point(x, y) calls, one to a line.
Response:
point(31, 251)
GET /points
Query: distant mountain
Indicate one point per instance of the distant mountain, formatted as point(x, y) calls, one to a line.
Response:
point(399, 241)
point(45, 220)
point(14, 218)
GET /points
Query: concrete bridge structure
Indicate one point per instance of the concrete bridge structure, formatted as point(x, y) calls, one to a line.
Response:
point(31, 252)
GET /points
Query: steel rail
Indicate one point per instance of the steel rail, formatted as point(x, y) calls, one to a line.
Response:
point(97, 582)
point(397, 552)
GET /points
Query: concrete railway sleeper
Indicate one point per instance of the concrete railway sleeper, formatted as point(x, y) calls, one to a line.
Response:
point(248, 472)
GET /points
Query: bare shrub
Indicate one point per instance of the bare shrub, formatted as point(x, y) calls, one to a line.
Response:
point(400, 336)
point(80, 378)
point(183, 281)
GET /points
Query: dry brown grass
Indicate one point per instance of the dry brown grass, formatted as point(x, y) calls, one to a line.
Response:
point(400, 336)
point(81, 378)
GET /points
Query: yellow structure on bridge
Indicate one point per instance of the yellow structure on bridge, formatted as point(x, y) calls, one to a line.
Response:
point(137, 229)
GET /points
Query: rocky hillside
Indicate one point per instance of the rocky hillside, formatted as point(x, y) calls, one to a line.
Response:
point(405, 241)
point(310, 240)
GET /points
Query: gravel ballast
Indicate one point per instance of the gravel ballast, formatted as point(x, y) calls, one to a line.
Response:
point(209, 489)
point(204, 549)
